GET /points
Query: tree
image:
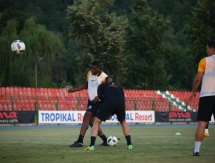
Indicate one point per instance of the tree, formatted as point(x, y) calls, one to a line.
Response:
point(146, 66)
point(19, 70)
point(101, 33)
point(201, 28)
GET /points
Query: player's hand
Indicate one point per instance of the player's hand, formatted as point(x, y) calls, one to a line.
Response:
point(71, 90)
point(190, 97)
point(95, 100)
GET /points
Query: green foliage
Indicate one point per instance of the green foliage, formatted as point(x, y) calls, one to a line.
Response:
point(101, 33)
point(63, 84)
point(146, 33)
point(139, 54)
point(20, 69)
point(201, 28)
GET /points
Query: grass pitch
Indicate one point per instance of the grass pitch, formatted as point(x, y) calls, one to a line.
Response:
point(152, 144)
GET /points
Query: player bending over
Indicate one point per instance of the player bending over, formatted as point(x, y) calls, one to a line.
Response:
point(113, 101)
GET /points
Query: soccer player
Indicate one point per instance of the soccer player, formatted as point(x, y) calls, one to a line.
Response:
point(94, 78)
point(113, 102)
point(206, 74)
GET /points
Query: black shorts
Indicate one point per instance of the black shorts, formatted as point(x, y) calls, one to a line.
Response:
point(206, 108)
point(108, 109)
point(93, 107)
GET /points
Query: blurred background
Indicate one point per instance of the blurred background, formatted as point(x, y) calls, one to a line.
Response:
point(150, 45)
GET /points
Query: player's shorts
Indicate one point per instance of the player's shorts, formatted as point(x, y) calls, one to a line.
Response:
point(108, 109)
point(93, 107)
point(206, 108)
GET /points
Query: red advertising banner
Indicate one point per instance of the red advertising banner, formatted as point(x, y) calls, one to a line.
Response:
point(7, 117)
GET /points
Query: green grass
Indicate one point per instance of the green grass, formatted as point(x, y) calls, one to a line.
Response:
point(151, 144)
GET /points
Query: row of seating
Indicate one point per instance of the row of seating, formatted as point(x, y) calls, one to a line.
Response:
point(18, 98)
point(10, 107)
point(28, 89)
point(184, 95)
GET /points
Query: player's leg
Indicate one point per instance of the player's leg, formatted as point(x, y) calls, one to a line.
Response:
point(94, 133)
point(84, 127)
point(100, 132)
point(101, 115)
point(120, 112)
point(85, 123)
point(199, 136)
point(206, 134)
point(126, 131)
point(206, 107)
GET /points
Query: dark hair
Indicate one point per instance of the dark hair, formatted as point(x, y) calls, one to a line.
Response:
point(109, 79)
point(211, 44)
point(95, 63)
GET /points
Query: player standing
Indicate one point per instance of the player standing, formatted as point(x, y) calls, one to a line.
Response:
point(206, 74)
point(94, 78)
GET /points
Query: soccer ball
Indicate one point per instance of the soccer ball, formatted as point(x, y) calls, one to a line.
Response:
point(112, 141)
point(18, 47)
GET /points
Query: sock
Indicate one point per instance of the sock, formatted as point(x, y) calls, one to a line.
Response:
point(197, 146)
point(207, 126)
point(80, 139)
point(128, 139)
point(104, 138)
point(93, 140)
point(206, 131)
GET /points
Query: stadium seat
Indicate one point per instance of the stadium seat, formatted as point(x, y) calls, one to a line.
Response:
point(72, 107)
point(41, 107)
point(6, 107)
point(82, 107)
point(142, 99)
point(1, 107)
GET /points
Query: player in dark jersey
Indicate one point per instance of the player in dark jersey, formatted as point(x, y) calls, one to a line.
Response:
point(113, 99)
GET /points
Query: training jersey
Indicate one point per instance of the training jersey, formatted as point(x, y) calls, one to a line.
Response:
point(111, 93)
point(207, 65)
point(93, 82)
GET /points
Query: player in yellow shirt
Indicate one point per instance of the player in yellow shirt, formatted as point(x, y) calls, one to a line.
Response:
point(201, 68)
point(206, 76)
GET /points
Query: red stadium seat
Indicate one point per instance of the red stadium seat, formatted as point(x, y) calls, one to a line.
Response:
point(1, 107)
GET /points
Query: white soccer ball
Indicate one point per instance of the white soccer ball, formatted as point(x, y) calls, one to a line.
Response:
point(18, 47)
point(112, 141)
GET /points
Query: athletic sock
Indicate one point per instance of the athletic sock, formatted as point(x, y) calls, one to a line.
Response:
point(206, 131)
point(197, 146)
point(93, 140)
point(104, 138)
point(128, 139)
point(80, 139)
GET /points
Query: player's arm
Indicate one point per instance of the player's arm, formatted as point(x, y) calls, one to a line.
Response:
point(100, 92)
point(196, 82)
point(198, 78)
point(83, 86)
point(122, 91)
